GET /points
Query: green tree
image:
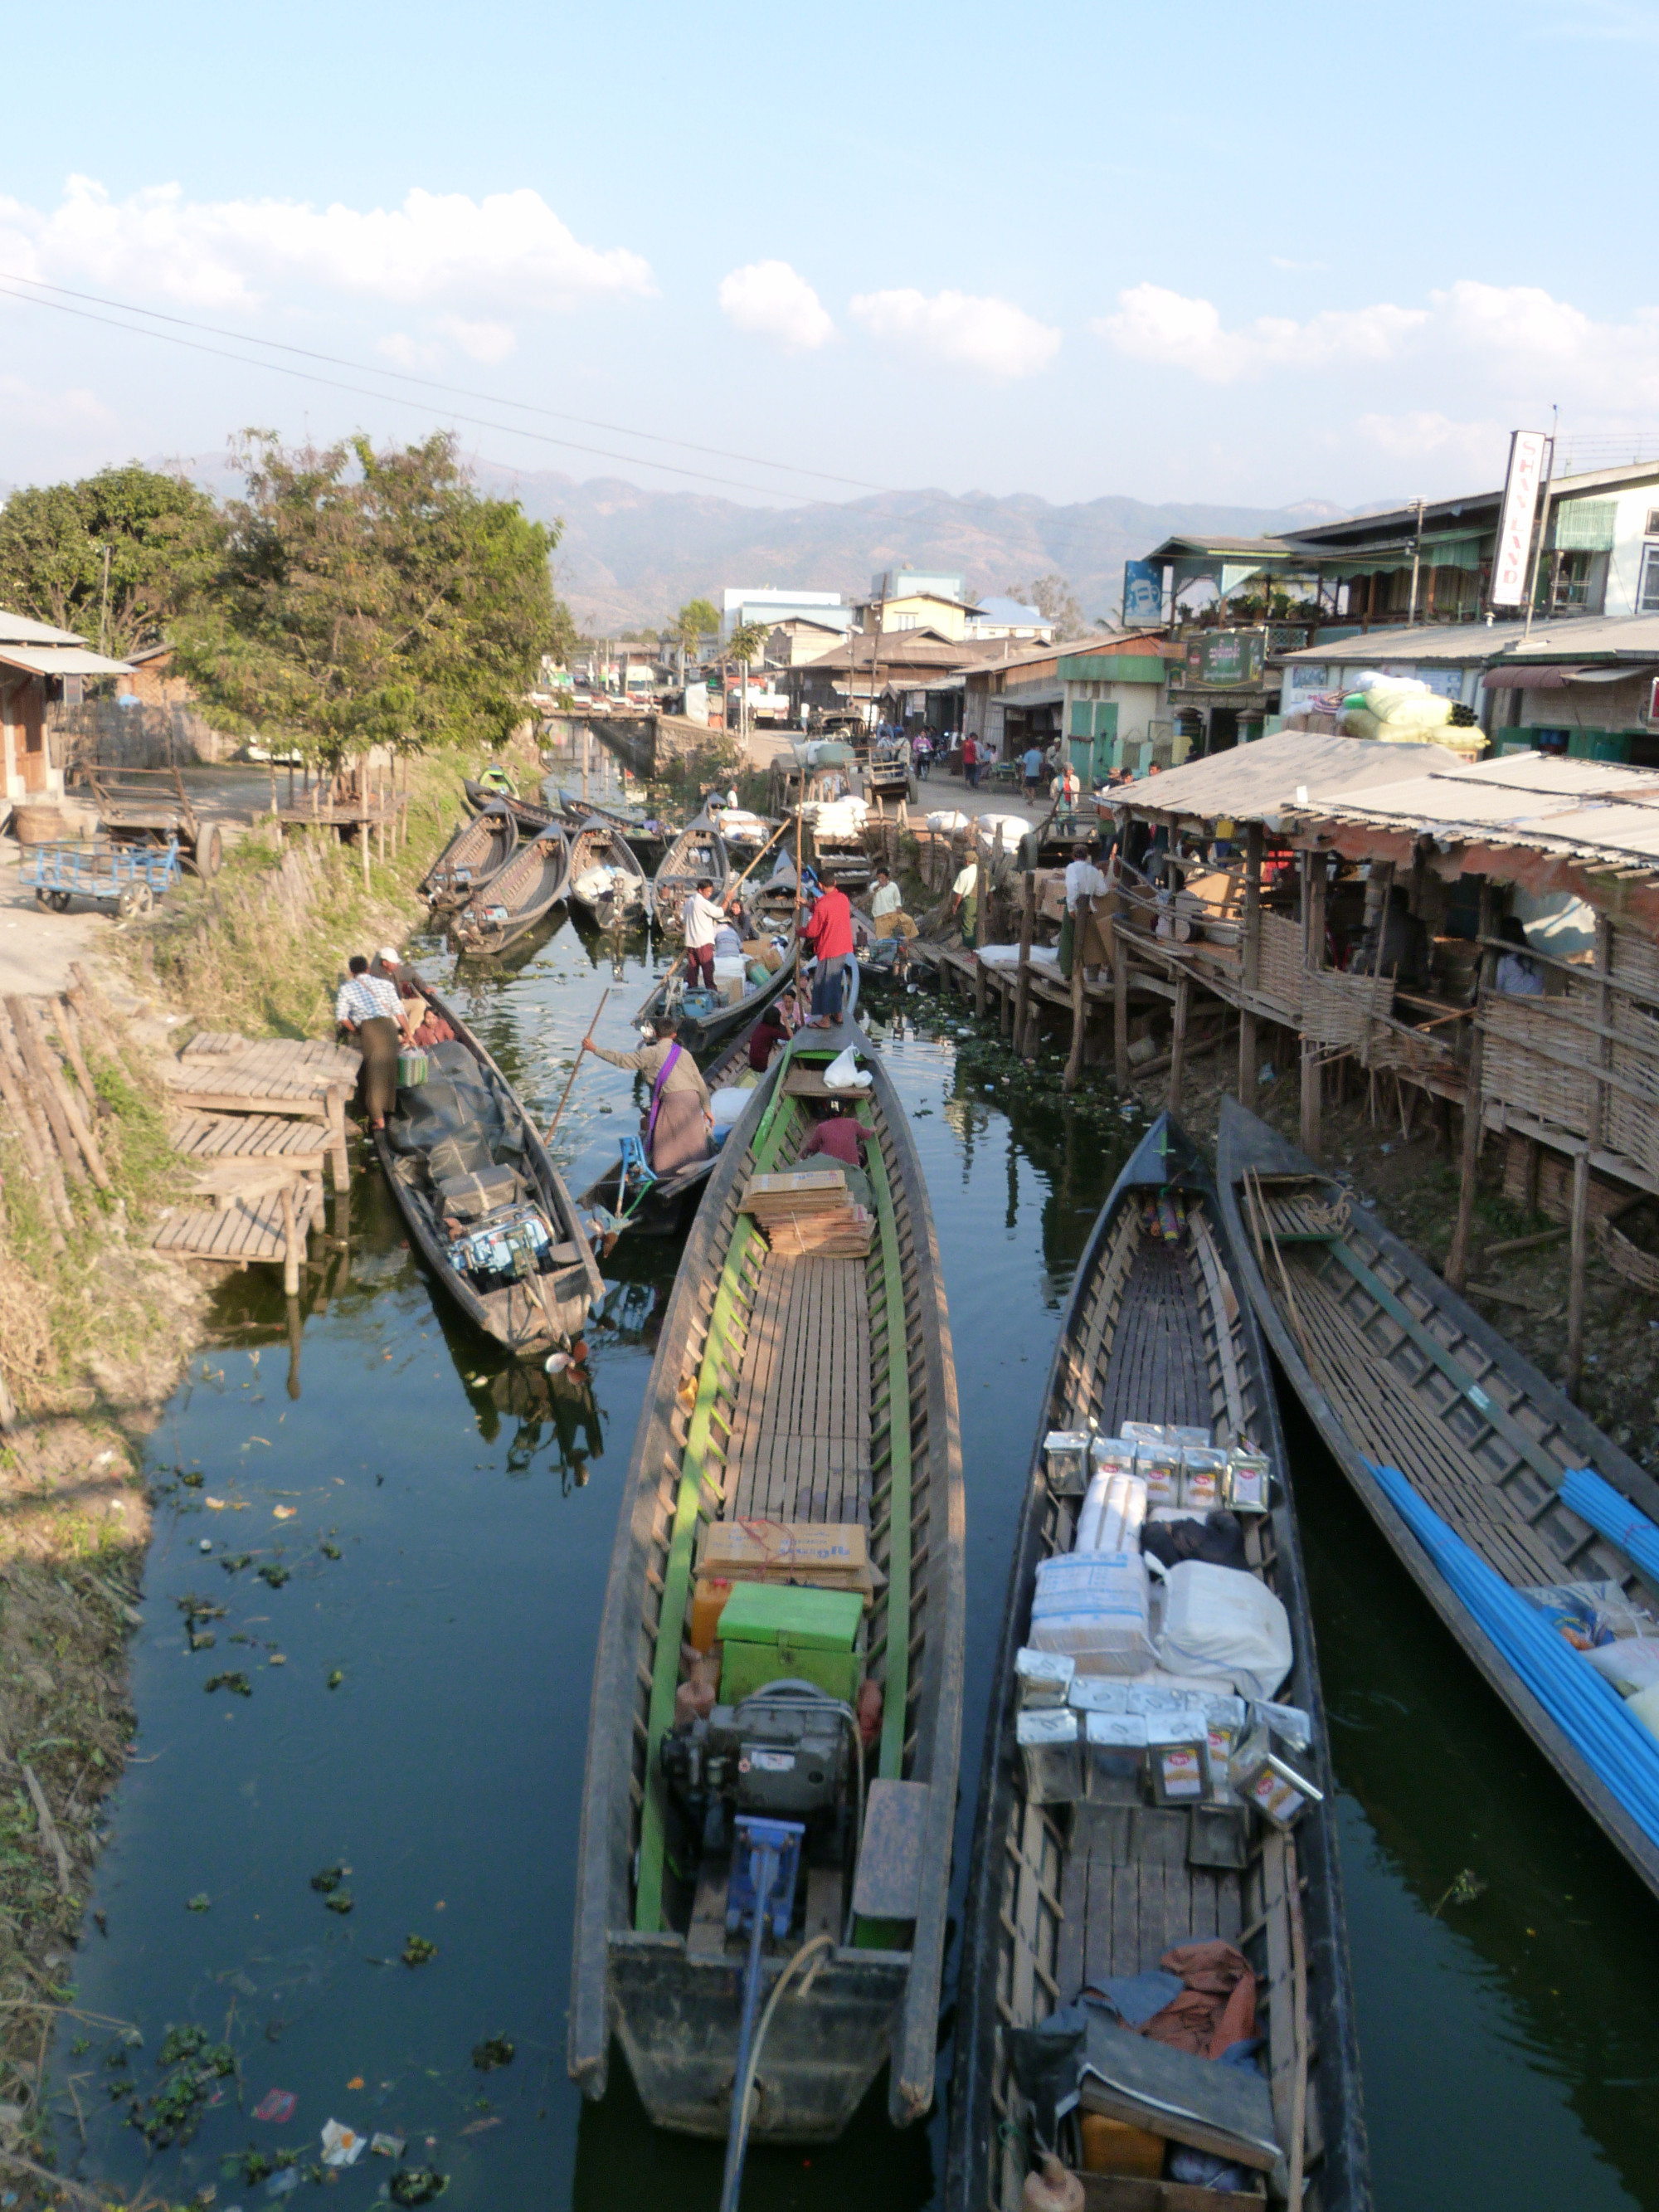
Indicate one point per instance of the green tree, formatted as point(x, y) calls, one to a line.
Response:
point(369, 597)
point(696, 620)
point(114, 557)
point(745, 644)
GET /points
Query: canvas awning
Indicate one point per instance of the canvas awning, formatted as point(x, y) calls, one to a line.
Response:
point(62, 660)
point(1554, 677)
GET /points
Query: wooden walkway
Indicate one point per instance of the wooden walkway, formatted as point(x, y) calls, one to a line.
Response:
point(261, 1224)
point(249, 1137)
point(282, 1078)
point(800, 1434)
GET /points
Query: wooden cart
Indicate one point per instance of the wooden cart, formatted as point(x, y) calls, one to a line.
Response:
point(150, 807)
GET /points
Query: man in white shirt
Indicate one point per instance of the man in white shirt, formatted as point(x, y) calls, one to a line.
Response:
point(700, 918)
point(964, 899)
point(887, 909)
point(1083, 885)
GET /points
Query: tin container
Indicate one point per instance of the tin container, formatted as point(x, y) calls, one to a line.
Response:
point(1271, 1785)
point(1177, 1757)
point(1249, 1482)
point(1144, 1432)
point(1113, 1758)
point(1101, 1693)
point(1203, 1477)
point(1044, 1678)
point(1189, 1439)
point(1225, 1724)
point(1158, 1466)
point(1289, 1725)
point(1049, 1745)
point(1113, 1455)
point(1066, 1453)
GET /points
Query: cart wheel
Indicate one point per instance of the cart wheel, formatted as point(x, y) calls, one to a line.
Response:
point(206, 857)
point(60, 902)
point(42, 897)
point(134, 902)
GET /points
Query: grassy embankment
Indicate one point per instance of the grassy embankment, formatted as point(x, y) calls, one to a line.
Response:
point(93, 1332)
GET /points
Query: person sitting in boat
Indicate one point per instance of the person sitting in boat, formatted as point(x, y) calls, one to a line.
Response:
point(679, 1120)
point(839, 1139)
point(771, 1030)
point(700, 918)
point(828, 934)
point(368, 1010)
point(728, 938)
point(887, 909)
point(497, 778)
point(426, 1025)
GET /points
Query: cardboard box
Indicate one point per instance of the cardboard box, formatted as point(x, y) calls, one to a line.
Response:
point(818, 1554)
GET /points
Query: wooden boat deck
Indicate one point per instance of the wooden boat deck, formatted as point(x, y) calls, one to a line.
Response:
point(799, 1448)
point(197, 1136)
point(278, 1078)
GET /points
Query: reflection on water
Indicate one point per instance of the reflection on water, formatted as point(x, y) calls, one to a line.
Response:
point(438, 1524)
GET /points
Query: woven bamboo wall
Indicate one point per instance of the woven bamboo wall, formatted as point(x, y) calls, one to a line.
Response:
point(1280, 976)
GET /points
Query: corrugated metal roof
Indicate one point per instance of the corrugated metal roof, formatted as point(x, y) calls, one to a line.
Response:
point(62, 660)
point(24, 629)
point(1584, 810)
point(1465, 644)
point(1253, 782)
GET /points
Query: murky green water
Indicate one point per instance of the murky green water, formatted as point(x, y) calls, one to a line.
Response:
point(1510, 2052)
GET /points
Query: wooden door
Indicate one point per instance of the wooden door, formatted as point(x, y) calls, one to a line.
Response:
point(29, 713)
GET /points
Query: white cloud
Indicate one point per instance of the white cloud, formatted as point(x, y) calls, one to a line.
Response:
point(485, 342)
point(990, 335)
point(509, 248)
point(1155, 324)
point(768, 298)
point(1424, 433)
point(28, 408)
point(404, 351)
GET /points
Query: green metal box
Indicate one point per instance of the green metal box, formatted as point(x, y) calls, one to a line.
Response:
point(771, 1631)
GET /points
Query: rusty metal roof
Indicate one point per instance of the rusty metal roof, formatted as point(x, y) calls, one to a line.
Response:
point(1594, 811)
point(1274, 775)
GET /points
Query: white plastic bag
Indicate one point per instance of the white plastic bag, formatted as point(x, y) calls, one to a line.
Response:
point(1220, 1623)
point(844, 1073)
point(1630, 1663)
point(727, 1105)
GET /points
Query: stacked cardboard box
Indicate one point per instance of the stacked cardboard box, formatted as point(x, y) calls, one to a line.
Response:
point(810, 1214)
point(812, 1554)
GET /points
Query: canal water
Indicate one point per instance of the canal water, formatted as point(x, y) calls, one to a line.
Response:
point(407, 1712)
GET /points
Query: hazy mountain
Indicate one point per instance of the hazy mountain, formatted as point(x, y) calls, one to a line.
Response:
point(630, 557)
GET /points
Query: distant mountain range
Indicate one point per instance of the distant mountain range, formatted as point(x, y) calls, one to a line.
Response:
point(629, 558)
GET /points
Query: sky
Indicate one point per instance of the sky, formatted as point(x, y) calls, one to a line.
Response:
point(1213, 254)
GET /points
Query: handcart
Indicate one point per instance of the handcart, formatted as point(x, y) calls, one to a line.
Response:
point(129, 878)
point(146, 806)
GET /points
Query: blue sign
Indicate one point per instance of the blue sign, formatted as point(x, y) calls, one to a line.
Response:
point(1143, 595)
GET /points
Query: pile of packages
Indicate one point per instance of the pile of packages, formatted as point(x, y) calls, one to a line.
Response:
point(1155, 1655)
point(1396, 709)
point(1618, 1637)
point(836, 821)
point(810, 1214)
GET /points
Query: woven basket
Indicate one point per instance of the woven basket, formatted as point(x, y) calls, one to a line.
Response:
point(1624, 1257)
point(37, 825)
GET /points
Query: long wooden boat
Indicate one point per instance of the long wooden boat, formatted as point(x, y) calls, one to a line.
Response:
point(533, 882)
point(649, 837)
point(866, 1431)
point(479, 850)
point(1398, 1372)
point(622, 888)
point(701, 1032)
point(529, 1313)
point(531, 815)
point(698, 854)
point(1064, 1895)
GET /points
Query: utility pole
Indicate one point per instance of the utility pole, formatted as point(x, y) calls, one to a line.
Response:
point(1417, 557)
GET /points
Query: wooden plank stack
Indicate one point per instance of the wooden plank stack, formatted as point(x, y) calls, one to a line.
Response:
point(809, 1215)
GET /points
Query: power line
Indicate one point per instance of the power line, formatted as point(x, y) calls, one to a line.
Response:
point(428, 383)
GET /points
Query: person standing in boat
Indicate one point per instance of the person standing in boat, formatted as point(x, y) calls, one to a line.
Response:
point(828, 935)
point(677, 1123)
point(700, 919)
point(367, 1008)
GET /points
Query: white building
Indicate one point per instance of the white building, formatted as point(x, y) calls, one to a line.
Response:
point(769, 605)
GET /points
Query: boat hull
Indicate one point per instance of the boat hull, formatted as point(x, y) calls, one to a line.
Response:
point(676, 2022)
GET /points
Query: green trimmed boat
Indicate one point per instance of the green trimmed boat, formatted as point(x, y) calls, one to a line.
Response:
point(787, 1389)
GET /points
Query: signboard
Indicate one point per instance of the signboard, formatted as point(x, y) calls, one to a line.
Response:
point(1512, 558)
point(1304, 677)
point(1229, 657)
point(1143, 595)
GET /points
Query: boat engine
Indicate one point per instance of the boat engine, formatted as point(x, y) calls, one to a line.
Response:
point(782, 1752)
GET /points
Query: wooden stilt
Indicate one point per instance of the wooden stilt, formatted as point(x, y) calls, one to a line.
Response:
point(1079, 1017)
point(981, 900)
point(293, 1244)
point(1120, 990)
point(1579, 1255)
point(1178, 1041)
point(1457, 1258)
point(1251, 949)
point(1023, 990)
point(1313, 952)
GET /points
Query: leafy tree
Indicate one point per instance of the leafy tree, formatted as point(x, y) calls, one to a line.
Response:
point(696, 621)
point(1054, 600)
point(746, 643)
point(564, 642)
point(369, 597)
point(114, 557)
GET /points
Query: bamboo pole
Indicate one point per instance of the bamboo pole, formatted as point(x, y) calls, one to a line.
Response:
point(1457, 1257)
point(580, 1055)
point(981, 903)
point(1080, 1018)
point(25, 1019)
point(39, 1084)
point(1022, 989)
point(1178, 1041)
point(1250, 969)
point(24, 1123)
point(1578, 1256)
point(1313, 951)
point(69, 1030)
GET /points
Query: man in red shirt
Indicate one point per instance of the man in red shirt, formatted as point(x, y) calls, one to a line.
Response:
point(970, 762)
point(828, 934)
